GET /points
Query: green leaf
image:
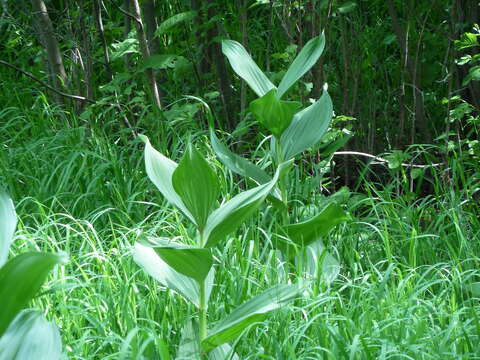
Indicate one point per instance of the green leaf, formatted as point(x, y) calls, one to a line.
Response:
point(223, 352)
point(174, 20)
point(243, 167)
point(246, 68)
point(253, 311)
point(302, 63)
point(127, 46)
point(236, 163)
point(159, 62)
point(189, 348)
point(8, 223)
point(307, 127)
point(274, 114)
point(319, 263)
point(160, 171)
point(187, 260)
point(307, 232)
point(31, 336)
point(473, 74)
point(147, 258)
point(197, 185)
point(20, 279)
point(467, 40)
point(474, 289)
point(230, 215)
point(330, 148)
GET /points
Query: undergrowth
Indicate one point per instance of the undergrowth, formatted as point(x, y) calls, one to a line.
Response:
point(407, 287)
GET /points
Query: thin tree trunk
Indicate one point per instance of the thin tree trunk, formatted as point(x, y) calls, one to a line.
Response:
point(202, 45)
point(215, 52)
point(319, 23)
point(97, 6)
point(149, 7)
point(410, 67)
point(87, 55)
point(127, 27)
point(57, 70)
point(144, 49)
point(242, 9)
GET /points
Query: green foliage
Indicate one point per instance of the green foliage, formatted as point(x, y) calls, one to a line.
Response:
point(305, 60)
point(252, 311)
point(146, 257)
point(197, 185)
point(294, 132)
point(20, 279)
point(8, 223)
point(193, 187)
point(174, 21)
point(187, 260)
point(229, 216)
point(307, 128)
point(306, 232)
point(31, 336)
point(23, 334)
point(246, 68)
point(274, 114)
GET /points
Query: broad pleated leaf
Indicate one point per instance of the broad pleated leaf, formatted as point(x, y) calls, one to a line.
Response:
point(160, 170)
point(236, 163)
point(20, 279)
point(274, 114)
point(307, 232)
point(304, 61)
point(189, 348)
point(319, 263)
point(31, 336)
point(243, 167)
point(246, 68)
point(197, 185)
point(230, 215)
point(156, 267)
point(223, 352)
point(307, 127)
point(187, 260)
point(8, 222)
point(251, 312)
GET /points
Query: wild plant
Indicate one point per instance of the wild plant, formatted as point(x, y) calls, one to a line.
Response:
point(193, 187)
point(293, 131)
point(24, 333)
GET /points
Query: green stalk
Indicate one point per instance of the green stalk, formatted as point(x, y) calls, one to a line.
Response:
point(203, 312)
point(203, 301)
point(282, 186)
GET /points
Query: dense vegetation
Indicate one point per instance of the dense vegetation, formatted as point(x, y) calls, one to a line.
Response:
point(358, 224)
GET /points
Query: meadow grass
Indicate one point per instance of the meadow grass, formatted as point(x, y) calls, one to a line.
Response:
point(408, 263)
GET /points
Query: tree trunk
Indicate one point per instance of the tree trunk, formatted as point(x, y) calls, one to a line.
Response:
point(216, 56)
point(97, 6)
point(242, 9)
point(411, 69)
point(57, 74)
point(145, 50)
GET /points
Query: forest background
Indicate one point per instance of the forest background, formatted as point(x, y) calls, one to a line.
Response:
point(79, 80)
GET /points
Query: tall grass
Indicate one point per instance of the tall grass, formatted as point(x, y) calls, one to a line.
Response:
point(409, 264)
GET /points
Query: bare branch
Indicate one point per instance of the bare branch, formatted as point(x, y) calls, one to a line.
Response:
point(382, 160)
point(43, 83)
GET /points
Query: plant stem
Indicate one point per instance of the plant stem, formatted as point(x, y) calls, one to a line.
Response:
point(203, 300)
point(203, 312)
point(282, 186)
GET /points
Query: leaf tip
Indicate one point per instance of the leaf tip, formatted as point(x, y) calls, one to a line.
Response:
point(144, 138)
